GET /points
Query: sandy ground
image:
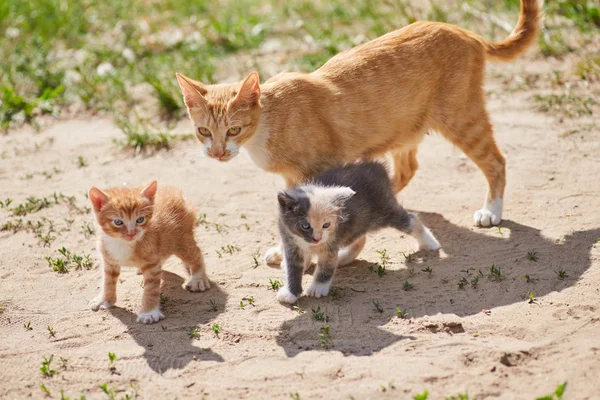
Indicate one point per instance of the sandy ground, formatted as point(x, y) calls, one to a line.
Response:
point(487, 341)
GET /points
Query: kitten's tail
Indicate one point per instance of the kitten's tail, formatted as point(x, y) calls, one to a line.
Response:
point(523, 36)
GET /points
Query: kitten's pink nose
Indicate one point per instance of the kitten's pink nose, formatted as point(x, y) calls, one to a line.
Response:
point(316, 239)
point(219, 154)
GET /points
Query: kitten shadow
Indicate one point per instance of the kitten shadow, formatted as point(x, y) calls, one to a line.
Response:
point(167, 344)
point(356, 324)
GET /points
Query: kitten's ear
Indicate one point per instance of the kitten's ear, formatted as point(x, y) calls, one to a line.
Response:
point(286, 201)
point(193, 91)
point(249, 92)
point(98, 198)
point(150, 191)
point(340, 195)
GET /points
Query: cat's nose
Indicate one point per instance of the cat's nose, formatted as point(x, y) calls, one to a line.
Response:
point(219, 154)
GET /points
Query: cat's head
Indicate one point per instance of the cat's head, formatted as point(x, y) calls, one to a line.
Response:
point(313, 212)
point(124, 213)
point(225, 115)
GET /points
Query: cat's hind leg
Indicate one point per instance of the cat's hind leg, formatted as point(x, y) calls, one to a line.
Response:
point(474, 135)
point(191, 255)
point(410, 223)
point(349, 253)
point(405, 167)
point(326, 265)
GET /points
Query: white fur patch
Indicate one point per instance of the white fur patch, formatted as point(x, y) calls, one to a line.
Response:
point(119, 250)
point(151, 316)
point(256, 146)
point(285, 296)
point(274, 255)
point(318, 289)
point(233, 148)
point(197, 283)
point(207, 145)
point(490, 214)
point(98, 302)
point(427, 241)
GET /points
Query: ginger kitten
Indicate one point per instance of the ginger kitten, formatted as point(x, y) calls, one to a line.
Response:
point(379, 97)
point(142, 227)
point(330, 216)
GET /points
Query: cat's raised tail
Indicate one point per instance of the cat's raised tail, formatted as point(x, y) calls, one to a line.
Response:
point(523, 36)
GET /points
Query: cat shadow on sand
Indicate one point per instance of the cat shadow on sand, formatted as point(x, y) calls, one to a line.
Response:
point(355, 323)
point(168, 343)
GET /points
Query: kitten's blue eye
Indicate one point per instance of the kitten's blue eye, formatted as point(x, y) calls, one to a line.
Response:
point(305, 226)
point(140, 220)
point(326, 225)
point(118, 222)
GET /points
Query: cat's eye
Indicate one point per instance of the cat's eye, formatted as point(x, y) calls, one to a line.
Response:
point(305, 226)
point(234, 131)
point(140, 220)
point(118, 222)
point(204, 132)
point(326, 225)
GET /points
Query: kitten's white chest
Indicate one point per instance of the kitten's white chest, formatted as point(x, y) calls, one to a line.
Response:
point(256, 147)
point(118, 250)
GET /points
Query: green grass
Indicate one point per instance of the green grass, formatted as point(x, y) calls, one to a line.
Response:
point(140, 138)
point(59, 53)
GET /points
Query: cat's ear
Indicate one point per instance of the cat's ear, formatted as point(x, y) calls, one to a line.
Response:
point(98, 198)
point(193, 91)
point(286, 201)
point(150, 191)
point(340, 195)
point(249, 92)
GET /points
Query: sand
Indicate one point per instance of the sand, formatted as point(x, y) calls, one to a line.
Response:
point(488, 341)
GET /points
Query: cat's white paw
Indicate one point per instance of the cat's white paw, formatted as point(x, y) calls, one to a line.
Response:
point(489, 215)
point(151, 316)
point(274, 255)
point(285, 296)
point(197, 283)
point(98, 302)
point(428, 242)
point(318, 289)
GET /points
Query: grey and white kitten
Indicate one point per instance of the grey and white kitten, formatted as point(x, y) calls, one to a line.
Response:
point(329, 218)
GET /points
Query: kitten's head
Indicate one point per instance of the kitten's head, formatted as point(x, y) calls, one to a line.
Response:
point(313, 212)
point(124, 213)
point(225, 115)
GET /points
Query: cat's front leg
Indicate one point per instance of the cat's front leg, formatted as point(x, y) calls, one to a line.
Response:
point(108, 293)
point(293, 268)
point(326, 266)
point(150, 311)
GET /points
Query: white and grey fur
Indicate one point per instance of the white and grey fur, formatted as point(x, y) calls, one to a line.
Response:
point(360, 199)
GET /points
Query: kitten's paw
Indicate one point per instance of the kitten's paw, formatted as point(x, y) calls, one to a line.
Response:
point(428, 242)
point(98, 302)
point(273, 256)
point(489, 215)
point(151, 316)
point(318, 289)
point(285, 296)
point(197, 283)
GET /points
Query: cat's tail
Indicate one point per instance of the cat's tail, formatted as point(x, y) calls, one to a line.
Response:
point(523, 36)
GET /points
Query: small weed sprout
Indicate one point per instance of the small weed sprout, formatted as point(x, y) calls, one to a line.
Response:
point(64, 363)
point(531, 297)
point(46, 368)
point(112, 358)
point(530, 279)
point(428, 270)
point(462, 283)
point(81, 162)
point(408, 286)
point(194, 333)
point(255, 258)
point(561, 273)
point(298, 309)
point(558, 393)
point(495, 274)
point(402, 314)
point(319, 315)
point(389, 386)
point(28, 326)
point(377, 306)
point(325, 337)
point(249, 299)
point(45, 390)
point(532, 255)
point(421, 396)
point(216, 328)
point(88, 229)
point(213, 305)
point(51, 331)
point(275, 284)
point(474, 282)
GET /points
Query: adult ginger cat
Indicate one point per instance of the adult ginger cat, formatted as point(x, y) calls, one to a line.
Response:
point(142, 227)
point(381, 96)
